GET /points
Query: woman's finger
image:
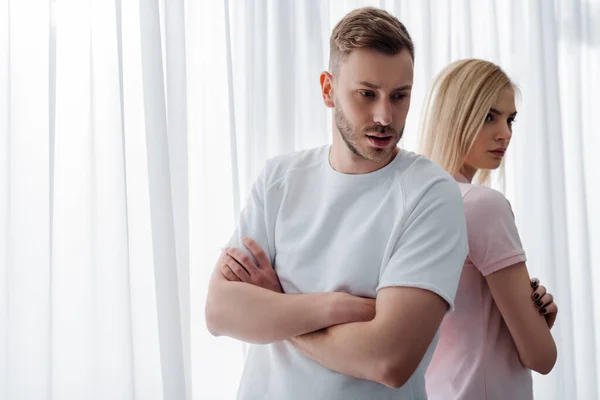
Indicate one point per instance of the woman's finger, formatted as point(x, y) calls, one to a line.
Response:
point(538, 293)
point(551, 308)
point(545, 300)
point(541, 301)
point(535, 282)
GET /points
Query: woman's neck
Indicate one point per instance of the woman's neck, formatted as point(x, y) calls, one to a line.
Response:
point(468, 172)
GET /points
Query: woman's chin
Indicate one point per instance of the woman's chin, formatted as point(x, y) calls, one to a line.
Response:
point(492, 164)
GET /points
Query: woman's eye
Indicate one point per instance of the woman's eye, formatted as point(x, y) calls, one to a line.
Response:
point(511, 121)
point(489, 118)
point(398, 96)
point(367, 93)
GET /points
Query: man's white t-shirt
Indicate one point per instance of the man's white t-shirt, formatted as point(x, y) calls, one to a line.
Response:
point(324, 231)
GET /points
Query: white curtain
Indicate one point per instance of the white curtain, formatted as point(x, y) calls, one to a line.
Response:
point(94, 274)
point(261, 97)
point(131, 131)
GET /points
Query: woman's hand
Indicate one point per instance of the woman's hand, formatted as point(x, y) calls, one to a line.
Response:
point(544, 302)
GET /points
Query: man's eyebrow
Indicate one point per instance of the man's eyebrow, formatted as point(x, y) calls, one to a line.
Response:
point(369, 85)
point(373, 86)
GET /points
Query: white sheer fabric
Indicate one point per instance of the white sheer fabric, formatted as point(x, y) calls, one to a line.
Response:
point(94, 294)
point(132, 128)
point(273, 105)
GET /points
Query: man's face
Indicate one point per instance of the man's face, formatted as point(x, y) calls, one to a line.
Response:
point(371, 97)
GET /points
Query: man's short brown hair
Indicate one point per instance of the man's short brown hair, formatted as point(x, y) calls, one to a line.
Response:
point(367, 28)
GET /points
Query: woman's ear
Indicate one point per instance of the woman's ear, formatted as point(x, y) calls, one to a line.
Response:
point(327, 89)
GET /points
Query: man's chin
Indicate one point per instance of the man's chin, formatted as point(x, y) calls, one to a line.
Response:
point(377, 154)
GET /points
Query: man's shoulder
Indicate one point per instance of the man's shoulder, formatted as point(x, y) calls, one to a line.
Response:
point(280, 166)
point(418, 174)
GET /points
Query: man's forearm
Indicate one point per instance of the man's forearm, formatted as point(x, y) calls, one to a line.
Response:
point(358, 350)
point(346, 348)
point(256, 315)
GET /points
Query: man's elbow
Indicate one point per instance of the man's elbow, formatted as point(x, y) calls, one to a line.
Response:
point(212, 331)
point(211, 318)
point(215, 315)
point(393, 381)
point(395, 373)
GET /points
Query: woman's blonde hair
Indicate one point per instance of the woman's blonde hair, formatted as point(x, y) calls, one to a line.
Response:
point(458, 103)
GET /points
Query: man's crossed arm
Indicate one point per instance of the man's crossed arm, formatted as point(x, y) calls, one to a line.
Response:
point(245, 302)
point(248, 304)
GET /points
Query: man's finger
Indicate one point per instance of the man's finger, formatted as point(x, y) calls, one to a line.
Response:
point(237, 269)
point(257, 252)
point(242, 258)
point(228, 274)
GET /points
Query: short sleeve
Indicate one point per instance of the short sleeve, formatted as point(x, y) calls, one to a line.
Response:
point(431, 249)
point(252, 219)
point(494, 241)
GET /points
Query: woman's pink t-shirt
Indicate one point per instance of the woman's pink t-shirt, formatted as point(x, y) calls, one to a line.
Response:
point(476, 357)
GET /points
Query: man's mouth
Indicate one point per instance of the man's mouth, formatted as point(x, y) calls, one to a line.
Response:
point(380, 141)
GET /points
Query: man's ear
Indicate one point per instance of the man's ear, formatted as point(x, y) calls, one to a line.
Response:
point(327, 89)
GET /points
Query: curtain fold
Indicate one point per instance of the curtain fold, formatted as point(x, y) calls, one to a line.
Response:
point(176, 85)
point(93, 220)
point(216, 363)
point(25, 212)
point(161, 204)
point(551, 50)
point(132, 130)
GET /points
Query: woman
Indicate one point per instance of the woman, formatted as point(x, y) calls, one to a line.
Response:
point(495, 337)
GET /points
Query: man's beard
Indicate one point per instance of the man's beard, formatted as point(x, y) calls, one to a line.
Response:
point(352, 137)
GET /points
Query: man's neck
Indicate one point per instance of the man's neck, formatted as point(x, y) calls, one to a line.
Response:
point(343, 160)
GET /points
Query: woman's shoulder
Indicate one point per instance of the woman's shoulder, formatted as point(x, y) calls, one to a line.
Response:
point(484, 202)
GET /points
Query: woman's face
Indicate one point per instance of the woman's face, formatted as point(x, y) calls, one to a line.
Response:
point(493, 139)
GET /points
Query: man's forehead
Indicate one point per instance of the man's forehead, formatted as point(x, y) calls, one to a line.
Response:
point(377, 69)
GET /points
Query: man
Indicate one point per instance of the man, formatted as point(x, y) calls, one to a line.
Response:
point(357, 247)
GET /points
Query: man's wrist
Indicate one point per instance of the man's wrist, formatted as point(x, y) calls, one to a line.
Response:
point(338, 308)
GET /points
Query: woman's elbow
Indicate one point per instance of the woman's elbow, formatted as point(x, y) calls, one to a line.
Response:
point(545, 366)
point(544, 362)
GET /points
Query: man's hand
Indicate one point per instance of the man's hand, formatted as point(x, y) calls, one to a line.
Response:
point(236, 265)
point(544, 301)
